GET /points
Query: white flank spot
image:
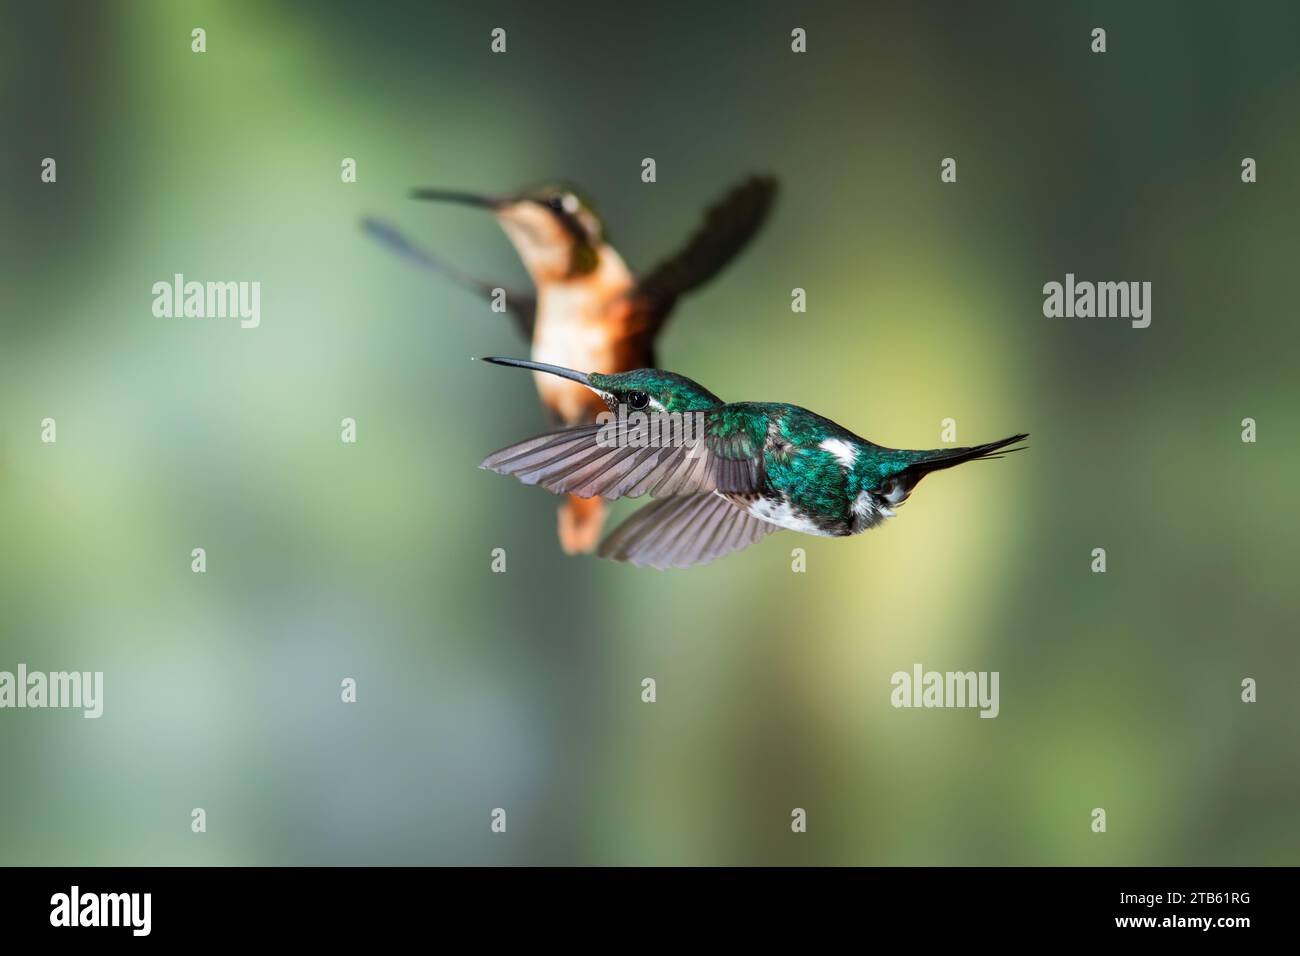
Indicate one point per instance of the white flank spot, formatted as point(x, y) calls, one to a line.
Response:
point(844, 453)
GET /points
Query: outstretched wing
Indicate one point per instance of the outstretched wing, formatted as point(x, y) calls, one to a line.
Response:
point(659, 455)
point(522, 305)
point(683, 531)
point(728, 226)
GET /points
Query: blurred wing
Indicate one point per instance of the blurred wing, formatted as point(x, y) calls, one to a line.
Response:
point(522, 305)
point(618, 460)
point(728, 226)
point(684, 531)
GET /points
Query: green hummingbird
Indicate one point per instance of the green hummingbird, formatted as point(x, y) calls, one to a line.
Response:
point(726, 474)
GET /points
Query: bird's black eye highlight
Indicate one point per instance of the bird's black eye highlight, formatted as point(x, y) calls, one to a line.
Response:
point(638, 400)
point(556, 203)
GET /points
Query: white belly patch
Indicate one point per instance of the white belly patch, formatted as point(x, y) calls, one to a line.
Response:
point(778, 512)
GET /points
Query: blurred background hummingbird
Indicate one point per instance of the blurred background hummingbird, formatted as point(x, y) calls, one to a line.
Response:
point(729, 473)
point(588, 310)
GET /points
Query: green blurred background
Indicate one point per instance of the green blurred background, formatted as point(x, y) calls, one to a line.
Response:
point(522, 690)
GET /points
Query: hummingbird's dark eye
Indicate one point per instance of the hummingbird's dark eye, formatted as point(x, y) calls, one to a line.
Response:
point(556, 203)
point(638, 399)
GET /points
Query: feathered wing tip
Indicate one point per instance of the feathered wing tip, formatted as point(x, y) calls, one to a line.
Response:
point(728, 227)
point(539, 457)
point(395, 240)
point(684, 531)
point(942, 458)
point(522, 306)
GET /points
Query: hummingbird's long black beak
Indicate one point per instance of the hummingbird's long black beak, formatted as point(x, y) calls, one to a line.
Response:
point(580, 377)
point(465, 199)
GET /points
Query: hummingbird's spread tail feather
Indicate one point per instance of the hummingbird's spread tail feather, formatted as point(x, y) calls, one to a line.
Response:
point(941, 458)
point(579, 524)
point(683, 531)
